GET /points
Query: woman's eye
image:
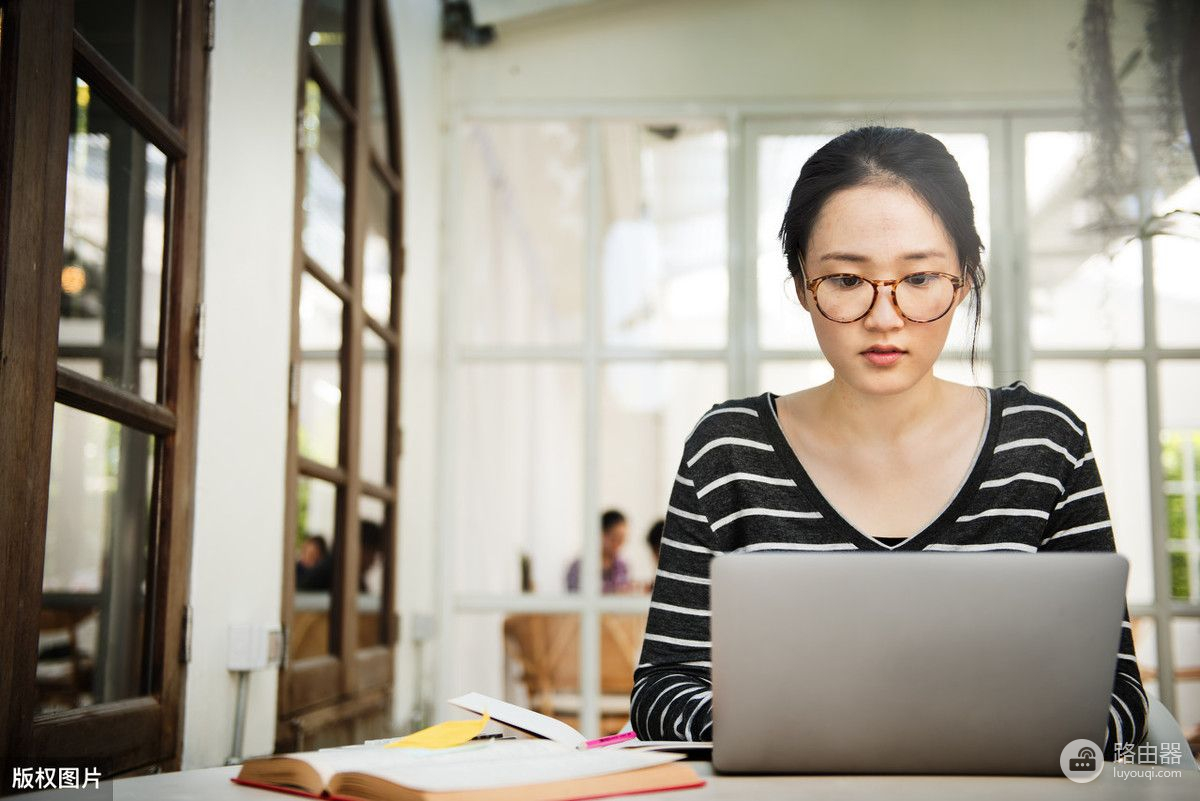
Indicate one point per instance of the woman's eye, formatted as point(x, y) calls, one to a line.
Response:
point(919, 280)
point(846, 281)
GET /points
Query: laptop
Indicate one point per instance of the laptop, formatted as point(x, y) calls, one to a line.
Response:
point(930, 663)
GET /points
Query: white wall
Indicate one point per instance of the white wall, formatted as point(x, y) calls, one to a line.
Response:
point(808, 51)
point(417, 26)
point(237, 541)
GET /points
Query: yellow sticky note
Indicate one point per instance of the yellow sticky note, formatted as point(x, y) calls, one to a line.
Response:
point(443, 735)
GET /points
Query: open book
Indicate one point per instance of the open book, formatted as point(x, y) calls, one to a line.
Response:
point(550, 728)
point(531, 770)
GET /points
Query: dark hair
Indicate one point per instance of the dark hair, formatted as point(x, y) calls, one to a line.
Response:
point(878, 155)
point(654, 537)
point(319, 541)
point(610, 519)
point(372, 536)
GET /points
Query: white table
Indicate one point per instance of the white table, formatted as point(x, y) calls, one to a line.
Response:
point(212, 784)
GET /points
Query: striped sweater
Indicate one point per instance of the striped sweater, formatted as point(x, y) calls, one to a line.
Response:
point(1034, 486)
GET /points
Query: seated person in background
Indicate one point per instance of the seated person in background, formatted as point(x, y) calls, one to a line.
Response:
point(880, 240)
point(371, 552)
point(314, 568)
point(654, 540)
point(613, 530)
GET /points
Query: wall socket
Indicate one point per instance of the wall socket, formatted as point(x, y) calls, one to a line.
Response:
point(254, 646)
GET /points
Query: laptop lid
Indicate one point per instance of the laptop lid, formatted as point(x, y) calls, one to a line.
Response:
point(986, 663)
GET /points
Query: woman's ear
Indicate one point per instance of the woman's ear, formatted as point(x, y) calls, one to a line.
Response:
point(964, 291)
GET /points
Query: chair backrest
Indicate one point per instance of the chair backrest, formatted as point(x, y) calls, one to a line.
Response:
point(546, 646)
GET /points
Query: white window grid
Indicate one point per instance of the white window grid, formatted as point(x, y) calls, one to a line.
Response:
point(1010, 352)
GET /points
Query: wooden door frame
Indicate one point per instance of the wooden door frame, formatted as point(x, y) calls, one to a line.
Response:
point(39, 55)
point(350, 681)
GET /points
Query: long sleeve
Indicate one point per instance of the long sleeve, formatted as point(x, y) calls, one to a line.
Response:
point(672, 691)
point(1080, 522)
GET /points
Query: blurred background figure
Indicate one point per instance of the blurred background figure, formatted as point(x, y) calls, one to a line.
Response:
point(314, 566)
point(615, 576)
point(654, 540)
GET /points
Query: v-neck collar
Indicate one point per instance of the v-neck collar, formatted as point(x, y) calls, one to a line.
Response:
point(768, 418)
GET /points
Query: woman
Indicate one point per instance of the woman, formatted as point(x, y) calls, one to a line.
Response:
point(880, 240)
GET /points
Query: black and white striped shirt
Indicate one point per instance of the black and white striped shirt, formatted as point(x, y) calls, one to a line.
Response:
point(1034, 486)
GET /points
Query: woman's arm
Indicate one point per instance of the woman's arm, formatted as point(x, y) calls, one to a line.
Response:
point(1080, 522)
point(672, 690)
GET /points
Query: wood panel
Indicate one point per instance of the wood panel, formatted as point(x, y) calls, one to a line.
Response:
point(35, 74)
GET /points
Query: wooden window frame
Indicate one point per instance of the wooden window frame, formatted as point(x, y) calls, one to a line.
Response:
point(321, 690)
point(39, 58)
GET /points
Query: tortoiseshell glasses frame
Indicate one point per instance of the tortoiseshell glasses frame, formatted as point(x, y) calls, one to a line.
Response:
point(956, 281)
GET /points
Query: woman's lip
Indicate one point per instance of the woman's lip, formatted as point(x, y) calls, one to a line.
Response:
point(883, 358)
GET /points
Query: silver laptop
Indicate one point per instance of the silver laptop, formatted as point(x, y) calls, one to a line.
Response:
point(985, 663)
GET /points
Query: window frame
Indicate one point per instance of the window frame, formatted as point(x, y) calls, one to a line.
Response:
point(40, 57)
point(324, 690)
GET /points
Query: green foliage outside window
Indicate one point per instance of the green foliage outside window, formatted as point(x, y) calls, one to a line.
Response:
point(1177, 447)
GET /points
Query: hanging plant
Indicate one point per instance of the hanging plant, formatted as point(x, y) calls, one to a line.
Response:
point(1172, 50)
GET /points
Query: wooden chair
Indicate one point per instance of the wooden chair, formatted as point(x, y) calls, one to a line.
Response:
point(64, 680)
point(544, 649)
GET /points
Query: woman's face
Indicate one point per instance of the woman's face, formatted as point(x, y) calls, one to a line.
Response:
point(880, 232)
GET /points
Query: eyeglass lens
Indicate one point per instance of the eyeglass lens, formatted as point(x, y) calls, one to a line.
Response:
point(921, 297)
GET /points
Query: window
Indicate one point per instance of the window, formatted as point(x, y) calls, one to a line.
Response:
point(619, 276)
point(343, 405)
point(98, 382)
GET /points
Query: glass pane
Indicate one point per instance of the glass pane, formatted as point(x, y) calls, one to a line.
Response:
point(320, 371)
point(532, 659)
point(1110, 397)
point(665, 247)
point(324, 182)
point(1086, 289)
point(374, 547)
point(374, 439)
point(647, 409)
point(1180, 441)
point(377, 251)
point(112, 274)
point(136, 38)
point(98, 531)
point(478, 664)
point(327, 37)
point(1145, 645)
point(521, 426)
point(522, 230)
point(316, 530)
point(783, 323)
point(1176, 254)
point(379, 104)
point(1185, 634)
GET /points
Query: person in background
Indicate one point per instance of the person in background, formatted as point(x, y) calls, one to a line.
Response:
point(613, 530)
point(654, 540)
point(371, 557)
point(314, 568)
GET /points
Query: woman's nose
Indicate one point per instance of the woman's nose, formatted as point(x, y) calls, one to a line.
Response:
point(883, 314)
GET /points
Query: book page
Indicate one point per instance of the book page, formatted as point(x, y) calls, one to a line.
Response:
point(520, 718)
point(502, 764)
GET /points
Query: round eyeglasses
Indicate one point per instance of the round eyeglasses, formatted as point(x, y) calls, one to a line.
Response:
point(917, 297)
